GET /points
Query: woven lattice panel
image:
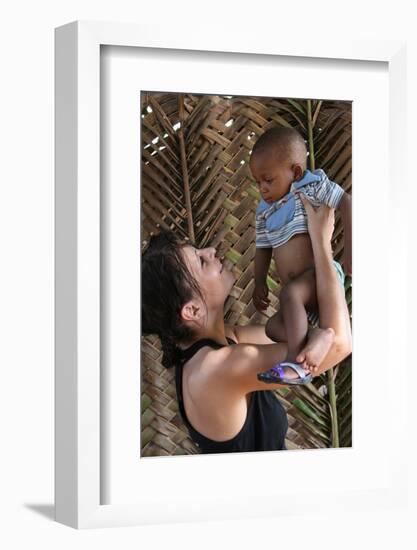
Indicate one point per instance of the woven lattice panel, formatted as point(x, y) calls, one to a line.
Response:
point(196, 181)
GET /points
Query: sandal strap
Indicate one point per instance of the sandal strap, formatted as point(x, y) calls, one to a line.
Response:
point(295, 366)
point(279, 370)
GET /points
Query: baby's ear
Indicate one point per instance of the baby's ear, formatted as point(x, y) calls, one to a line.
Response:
point(298, 171)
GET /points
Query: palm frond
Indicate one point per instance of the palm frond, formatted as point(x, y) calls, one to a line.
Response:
point(196, 180)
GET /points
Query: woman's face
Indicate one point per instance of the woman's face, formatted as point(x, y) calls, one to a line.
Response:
point(215, 282)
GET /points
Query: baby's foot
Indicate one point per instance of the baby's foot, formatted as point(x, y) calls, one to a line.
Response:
point(316, 349)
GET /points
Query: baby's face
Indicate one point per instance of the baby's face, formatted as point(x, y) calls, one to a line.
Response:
point(273, 175)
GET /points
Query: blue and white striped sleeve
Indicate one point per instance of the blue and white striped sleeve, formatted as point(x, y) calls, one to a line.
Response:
point(261, 233)
point(326, 191)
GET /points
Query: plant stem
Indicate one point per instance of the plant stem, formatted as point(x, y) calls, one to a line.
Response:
point(310, 136)
point(333, 407)
point(185, 177)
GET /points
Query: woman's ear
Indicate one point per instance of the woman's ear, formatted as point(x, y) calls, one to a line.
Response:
point(191, 311)
point(297, 171)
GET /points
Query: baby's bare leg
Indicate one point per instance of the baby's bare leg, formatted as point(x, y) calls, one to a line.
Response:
point(294, 298)
point(275, 328)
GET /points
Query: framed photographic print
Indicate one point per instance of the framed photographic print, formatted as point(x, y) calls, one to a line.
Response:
point(201, 157)
point(157, 133)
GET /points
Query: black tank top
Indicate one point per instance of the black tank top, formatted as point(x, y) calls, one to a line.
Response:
point(266, 422)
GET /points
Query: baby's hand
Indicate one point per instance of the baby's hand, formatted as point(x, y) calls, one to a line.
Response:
point(260, 297)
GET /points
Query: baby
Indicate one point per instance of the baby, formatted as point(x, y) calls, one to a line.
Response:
point(278, 164)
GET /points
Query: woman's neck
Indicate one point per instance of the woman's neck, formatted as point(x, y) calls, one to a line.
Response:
point(213, 329)
point(218, 335)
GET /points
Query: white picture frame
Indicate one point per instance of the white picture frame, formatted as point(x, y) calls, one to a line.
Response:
point(77, 248)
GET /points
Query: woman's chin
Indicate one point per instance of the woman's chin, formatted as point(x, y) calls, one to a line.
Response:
point(229, 267)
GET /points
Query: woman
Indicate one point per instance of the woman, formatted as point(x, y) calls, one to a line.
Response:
point(224, 405)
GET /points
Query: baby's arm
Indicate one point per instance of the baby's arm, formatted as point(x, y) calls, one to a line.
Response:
point(345, 208)
point(260, 293)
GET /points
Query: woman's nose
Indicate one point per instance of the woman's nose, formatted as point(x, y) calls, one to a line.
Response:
point(210, 251)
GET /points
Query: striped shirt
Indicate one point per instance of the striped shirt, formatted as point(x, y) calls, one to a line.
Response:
point(278, 222)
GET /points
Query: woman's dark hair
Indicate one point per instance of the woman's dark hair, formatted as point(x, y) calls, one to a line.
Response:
point(167, 285)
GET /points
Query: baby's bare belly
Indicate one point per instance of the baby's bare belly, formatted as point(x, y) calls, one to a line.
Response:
point(294, 257)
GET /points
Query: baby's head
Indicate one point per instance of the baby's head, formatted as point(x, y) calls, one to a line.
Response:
point(278, 158)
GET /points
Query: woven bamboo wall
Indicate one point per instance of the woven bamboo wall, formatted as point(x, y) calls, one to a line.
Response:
point(196, 180)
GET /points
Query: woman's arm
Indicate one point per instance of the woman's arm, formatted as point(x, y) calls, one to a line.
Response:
point(248, 334)
point(333, 311)
point(345, 209)
point(239, 365)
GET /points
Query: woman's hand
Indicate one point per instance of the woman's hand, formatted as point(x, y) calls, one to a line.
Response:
point(320, 220)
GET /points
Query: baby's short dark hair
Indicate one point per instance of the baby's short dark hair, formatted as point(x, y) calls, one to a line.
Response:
point(281, 139)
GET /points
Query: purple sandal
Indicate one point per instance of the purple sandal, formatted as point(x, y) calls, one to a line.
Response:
point(276, 375)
